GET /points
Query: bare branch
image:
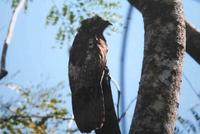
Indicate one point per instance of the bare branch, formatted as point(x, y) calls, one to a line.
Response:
point(19, 116)
point(191, 86)
point(118, 93)
point(122, 64)
point(7, 41)
point(193, 42)
point(129, 105)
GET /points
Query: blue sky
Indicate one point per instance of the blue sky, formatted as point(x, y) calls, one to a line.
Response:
point(31, 52)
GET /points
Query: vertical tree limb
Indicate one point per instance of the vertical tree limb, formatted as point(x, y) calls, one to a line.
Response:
point(192, 36)
point(122, 65)
point(3, 71)
point(164, 47)
point(193, 42)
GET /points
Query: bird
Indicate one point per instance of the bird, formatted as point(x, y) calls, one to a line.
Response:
point(86, 72)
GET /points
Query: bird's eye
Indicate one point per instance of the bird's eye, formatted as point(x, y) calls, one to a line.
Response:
point(90, 44)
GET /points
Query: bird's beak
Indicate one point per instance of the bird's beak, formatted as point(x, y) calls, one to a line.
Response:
point(108, 23)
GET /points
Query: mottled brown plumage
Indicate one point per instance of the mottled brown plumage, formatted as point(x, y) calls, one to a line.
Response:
point(87, 63)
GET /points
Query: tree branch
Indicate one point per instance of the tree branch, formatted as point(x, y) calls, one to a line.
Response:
point(19, 116)
point(193, 42)
point(164, 47)
point(122, 65)
point(7, 41)
point(192, 35)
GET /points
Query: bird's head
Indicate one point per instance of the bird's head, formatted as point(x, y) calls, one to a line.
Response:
point(94, 25)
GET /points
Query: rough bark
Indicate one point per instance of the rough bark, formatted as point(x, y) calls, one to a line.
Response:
point(192, 36)
point(193, 42)
point(164, 47)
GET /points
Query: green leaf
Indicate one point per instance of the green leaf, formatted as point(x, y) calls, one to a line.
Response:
point(64, 10)
point(71, 17)
point(11, 129)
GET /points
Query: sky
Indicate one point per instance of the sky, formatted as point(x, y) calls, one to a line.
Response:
point(31, 52)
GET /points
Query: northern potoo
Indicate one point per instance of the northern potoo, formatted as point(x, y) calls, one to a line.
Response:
point(87, 64)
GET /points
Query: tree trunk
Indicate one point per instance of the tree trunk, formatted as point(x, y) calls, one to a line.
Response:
point(164, 47)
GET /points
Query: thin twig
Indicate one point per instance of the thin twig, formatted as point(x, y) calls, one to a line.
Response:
point(3, 71)
point(118, 93)
point(191, 86)
point(118, 100)
point(19, 116)
point(129, 105)
point(25, 115)
point(70, 124)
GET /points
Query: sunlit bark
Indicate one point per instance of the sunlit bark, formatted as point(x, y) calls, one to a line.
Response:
point(164, 47)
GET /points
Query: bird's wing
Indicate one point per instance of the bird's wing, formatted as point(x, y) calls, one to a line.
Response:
point(85, 84)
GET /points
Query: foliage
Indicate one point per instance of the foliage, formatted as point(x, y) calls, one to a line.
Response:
point(29, 115)
point(37, 110)
point(68, 15)
point(15, 3)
